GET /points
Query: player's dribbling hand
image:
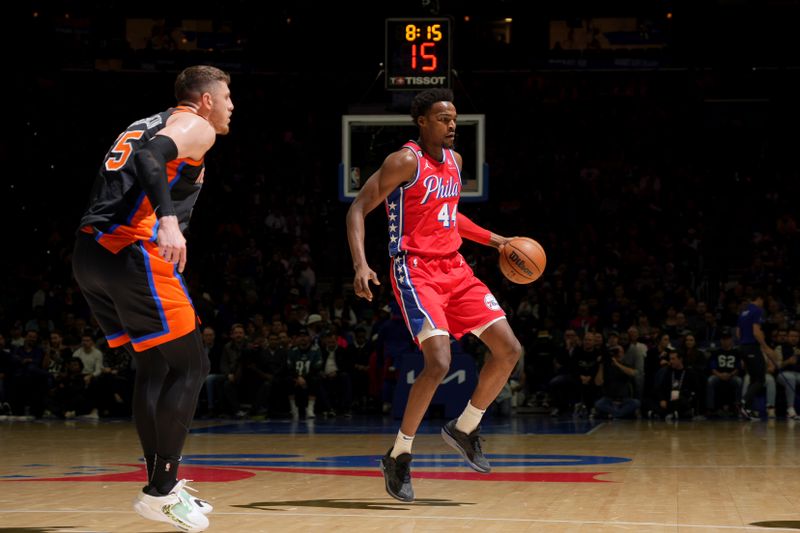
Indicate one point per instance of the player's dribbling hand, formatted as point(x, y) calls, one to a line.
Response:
point(171, 243)
point(499, 241)
point(361, 282)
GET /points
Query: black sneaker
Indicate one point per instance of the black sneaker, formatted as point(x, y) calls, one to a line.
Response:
point(747, 414)
point(397, 475)
point(469, 446)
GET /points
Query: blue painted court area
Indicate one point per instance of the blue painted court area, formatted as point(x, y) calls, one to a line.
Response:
point(520, 425)
point(367, 461)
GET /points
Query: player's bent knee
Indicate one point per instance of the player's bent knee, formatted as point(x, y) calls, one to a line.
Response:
point(516, 352)
point(437, 367)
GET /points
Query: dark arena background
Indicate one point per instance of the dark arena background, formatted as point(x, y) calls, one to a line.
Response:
point(649, 146)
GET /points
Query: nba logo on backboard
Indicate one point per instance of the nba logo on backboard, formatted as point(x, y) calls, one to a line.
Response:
point(355, 177)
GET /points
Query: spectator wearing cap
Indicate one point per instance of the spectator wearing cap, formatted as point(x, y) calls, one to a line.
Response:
point(725, 364)
point(315, 325)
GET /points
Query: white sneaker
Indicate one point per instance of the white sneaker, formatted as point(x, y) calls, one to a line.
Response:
point(295, 413)
point(173, 509)
point(791, 413)
point(771, 412)
point(310, 413)
point(202, 505)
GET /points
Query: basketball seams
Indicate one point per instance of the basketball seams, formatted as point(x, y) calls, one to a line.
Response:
point(528, 260)
point(531, 270)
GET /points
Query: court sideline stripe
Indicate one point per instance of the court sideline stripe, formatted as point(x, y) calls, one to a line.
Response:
point(422, 517)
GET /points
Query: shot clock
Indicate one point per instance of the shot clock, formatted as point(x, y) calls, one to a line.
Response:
point(417, 53)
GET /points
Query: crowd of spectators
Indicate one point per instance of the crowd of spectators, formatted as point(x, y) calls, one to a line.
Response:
point(660, 211)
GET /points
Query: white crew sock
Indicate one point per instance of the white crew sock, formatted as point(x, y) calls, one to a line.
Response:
point(469, 419)
point(402, 444)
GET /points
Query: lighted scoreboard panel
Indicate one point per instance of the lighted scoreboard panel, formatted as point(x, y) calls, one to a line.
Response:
point(418, 53)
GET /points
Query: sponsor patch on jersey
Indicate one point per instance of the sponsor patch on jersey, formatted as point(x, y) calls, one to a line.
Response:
point(491, 302)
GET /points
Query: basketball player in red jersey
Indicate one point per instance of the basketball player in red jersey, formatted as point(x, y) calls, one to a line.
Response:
point(438, 293)
point(129, 255)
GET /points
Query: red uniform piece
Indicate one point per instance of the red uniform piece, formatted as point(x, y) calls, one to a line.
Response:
point(431, 280)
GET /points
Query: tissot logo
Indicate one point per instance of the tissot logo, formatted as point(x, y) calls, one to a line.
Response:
point(399, 81)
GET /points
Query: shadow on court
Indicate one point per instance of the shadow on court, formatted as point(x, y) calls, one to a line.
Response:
point(783, 524)
point(378, 504)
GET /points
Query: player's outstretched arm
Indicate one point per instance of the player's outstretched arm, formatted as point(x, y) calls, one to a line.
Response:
point(396, 169)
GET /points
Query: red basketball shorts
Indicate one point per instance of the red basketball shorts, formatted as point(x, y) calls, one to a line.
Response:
point(444, 292)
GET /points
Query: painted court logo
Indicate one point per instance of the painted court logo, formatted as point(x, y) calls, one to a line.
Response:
point(223, 468)
point(490, 302)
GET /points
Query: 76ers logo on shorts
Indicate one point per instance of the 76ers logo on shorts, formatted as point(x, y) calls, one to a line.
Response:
point(490, 302)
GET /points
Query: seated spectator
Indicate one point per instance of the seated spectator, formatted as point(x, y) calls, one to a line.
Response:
point(789, 375)
point(656, 366)
point(29, 381)
point(71, 393)
point(726, 368)
point(111, 391)
point(360, 352)
point(585, 362)
point(336, 371)
point(616, 382)
point(261, 364)
point(678, 392)
point(305, 369)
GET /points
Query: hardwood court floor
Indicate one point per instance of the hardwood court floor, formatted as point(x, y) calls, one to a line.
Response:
point(297, 477)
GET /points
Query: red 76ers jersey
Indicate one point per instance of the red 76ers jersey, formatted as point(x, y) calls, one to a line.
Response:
point(422, 212)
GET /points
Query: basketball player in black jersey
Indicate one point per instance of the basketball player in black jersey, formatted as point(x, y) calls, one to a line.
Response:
point(129, 256)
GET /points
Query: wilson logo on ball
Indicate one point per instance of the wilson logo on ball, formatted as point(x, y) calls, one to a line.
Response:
point(520, 263)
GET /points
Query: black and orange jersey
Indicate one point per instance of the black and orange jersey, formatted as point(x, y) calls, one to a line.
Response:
point(119, 212)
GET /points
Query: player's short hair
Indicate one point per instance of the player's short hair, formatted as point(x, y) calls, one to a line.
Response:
point(424, 100)
point(192, 82)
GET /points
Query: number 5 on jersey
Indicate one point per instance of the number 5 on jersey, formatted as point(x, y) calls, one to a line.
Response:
point(445, 217)
point(122, 149)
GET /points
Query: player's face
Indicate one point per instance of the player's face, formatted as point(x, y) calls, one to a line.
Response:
point(221, 108)
point(439, 125)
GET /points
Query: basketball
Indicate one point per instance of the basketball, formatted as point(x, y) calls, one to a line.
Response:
point(522, 260)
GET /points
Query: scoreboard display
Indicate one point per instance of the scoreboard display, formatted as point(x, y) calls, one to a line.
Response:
point(417, 53)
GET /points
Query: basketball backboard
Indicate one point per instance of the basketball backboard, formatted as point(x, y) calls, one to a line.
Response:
point(368, 139)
